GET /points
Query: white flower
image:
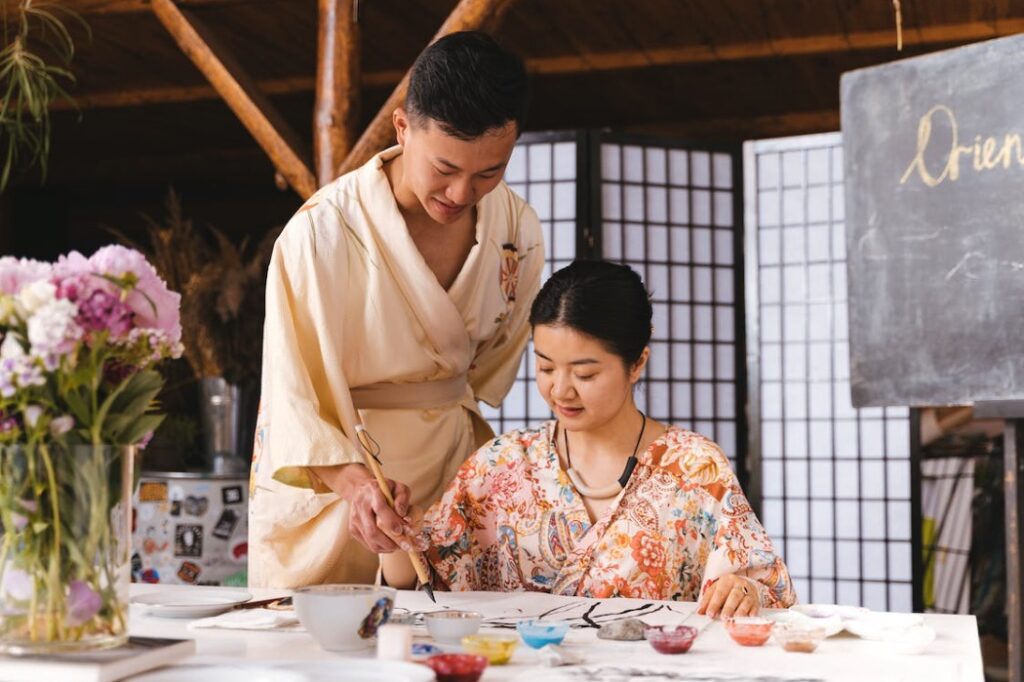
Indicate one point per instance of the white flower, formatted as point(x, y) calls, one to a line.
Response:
point(7, 308)
point(10, 348)
point(36, 295)
point(61, 425)
point(32, 414)
point(52, 328)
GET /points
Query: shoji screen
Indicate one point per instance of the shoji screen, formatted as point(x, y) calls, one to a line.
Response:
point(670, 212)
point(836, 482)
point(543, 170)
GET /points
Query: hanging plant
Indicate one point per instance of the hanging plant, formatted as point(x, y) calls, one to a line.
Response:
point(29, 83)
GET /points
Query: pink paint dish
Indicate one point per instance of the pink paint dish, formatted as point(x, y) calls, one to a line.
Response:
point(670, 639)
point(749, 631)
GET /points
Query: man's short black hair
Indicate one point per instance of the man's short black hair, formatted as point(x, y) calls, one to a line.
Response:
point(468, 84)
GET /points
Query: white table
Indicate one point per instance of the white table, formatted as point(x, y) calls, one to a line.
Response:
point(954, 656)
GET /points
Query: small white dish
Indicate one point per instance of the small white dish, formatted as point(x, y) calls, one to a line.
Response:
point(220, 673)
point(844, 613)
point(883, 626)
point(190, 603)
point(449, 627)
point(832, 625)
point(913, 641)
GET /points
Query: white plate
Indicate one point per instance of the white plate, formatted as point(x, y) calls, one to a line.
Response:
point(338, 669)
point(190, 603)
point(884, 626)
point(833, 625)
point(845, 613)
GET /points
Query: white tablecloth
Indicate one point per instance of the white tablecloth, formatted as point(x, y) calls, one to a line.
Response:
point(955, 655)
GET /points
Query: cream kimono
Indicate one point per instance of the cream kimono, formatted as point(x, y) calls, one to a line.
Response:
point(356, 319)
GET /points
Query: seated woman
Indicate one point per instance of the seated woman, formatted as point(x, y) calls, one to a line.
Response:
point(603, 501)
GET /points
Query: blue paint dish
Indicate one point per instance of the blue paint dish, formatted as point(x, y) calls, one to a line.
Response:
point(541, 633)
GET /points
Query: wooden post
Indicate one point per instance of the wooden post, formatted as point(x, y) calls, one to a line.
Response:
point(240, 93)
point(1013, 467)
point(468, 15)
point(337, 86)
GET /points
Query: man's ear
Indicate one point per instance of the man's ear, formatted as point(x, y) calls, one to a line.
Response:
point(401, 121)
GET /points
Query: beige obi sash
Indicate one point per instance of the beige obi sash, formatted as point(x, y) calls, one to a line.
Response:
point(423, 395)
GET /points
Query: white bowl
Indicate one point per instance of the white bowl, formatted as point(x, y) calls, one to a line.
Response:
point(343, 617)
point(916, 640)
point(832, 625)
point(449, 627)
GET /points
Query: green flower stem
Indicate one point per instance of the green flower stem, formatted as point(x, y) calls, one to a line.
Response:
point(55, 593)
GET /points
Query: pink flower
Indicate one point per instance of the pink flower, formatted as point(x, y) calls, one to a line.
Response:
point(154, 305)
point(83, 603)
point(102, 310)
point(17, 272)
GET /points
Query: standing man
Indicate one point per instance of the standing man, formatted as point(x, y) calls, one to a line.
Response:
point(401, 290)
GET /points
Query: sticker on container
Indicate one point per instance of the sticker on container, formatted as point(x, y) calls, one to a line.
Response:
point(189, 572)
point(188, 540)
point(231, 494)
point(196, 506)
point(151, 491)
point(176, 508)
point(226, 524)
point(240, 551)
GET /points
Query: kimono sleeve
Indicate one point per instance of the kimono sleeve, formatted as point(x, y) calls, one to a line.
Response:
point(303, 342)
point(455, 550)
point(497, 361)
point(741, 545)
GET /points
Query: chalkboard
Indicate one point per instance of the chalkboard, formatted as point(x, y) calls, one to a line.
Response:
point(934, 197)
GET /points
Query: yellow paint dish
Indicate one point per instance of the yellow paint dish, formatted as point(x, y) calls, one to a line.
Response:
point(497, 649)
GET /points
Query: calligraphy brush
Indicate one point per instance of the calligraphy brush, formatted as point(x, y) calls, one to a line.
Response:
point(371, 449)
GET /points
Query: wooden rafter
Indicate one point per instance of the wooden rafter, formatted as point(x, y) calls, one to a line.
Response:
point(600, 61)
point(127, 6)
point(336, 116)
point(467, 15)
point(241, 93)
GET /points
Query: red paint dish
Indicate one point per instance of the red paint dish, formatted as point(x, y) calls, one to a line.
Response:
point(457, 667)
point(670, 639)
point(749, 631)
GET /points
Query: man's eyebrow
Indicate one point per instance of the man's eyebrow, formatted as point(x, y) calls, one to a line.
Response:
point(451, 165)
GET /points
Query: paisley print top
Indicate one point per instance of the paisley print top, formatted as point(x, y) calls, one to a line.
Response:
point(512, 520)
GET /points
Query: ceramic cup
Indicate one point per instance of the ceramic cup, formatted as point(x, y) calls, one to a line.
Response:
point(343, 617)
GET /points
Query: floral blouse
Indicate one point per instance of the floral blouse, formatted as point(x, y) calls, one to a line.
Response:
point(512, 520)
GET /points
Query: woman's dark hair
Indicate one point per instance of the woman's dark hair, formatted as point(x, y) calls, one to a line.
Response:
point(602, 300)
point(468, 85)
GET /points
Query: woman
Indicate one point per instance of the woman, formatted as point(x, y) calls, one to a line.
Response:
point(603, 501)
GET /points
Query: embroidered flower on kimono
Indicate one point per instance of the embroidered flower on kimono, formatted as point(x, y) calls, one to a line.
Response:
point(509, 271)
point(649, 552)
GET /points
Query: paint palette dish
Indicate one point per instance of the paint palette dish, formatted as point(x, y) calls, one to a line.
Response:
point(497, 649)
point(832, 624)
point(799, 637)
point(912, 641)
point(670, 639)
point(449, 627)
point(457, 667)
point(537, 634)
point(883, 626)
point(748, 630)
point(843, 613)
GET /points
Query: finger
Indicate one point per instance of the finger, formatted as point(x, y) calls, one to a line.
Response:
point(755, 605)
point(386, 518)
point(702, 606)
point(375, 540)
point(400, 492)
point(722, 589)
point(733, 601)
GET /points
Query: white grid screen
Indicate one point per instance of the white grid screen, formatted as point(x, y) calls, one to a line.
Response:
point(836, 481)
point(543, 171)
point(669, 214)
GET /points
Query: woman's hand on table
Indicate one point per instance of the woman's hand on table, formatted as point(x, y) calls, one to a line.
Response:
point(730, 595)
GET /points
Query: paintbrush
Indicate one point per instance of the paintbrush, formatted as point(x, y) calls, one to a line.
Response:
point(371, 452)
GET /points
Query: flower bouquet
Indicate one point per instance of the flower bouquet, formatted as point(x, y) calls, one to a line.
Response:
point(79, 339)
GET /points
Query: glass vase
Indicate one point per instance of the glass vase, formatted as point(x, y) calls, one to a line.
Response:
point(66, 547)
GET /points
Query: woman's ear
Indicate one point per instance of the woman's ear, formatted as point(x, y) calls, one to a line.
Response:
point(401, 121)
point(638, 367)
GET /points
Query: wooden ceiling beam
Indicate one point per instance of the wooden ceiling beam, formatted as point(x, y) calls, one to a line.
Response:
point(336, 113)
point(123, 6)
point(607, 61)
point(240, 93)
point(746, 127)
point(467, 15)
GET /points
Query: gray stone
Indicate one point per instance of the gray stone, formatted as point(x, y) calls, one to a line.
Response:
point(629, 630)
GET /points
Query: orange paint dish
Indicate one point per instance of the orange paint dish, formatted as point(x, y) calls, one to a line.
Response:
point(749, 631)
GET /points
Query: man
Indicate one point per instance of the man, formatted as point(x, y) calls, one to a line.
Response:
point(400, 291)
